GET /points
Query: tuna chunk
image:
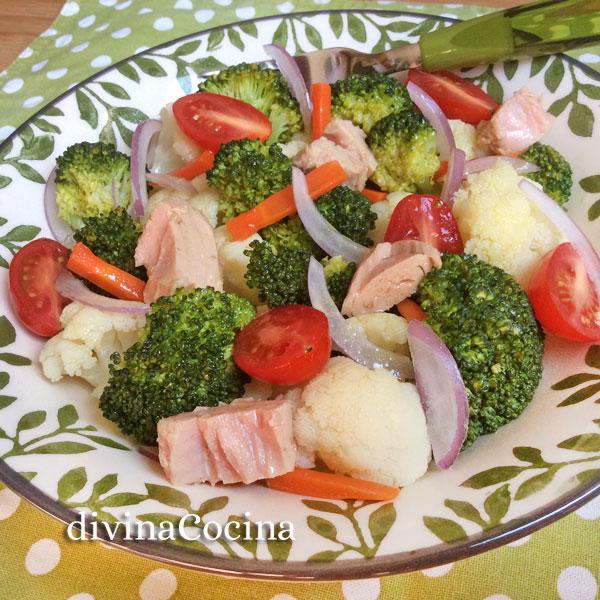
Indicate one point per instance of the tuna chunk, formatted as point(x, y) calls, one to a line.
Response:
point(518, 123)
point(178, 249)
point(345, 143)
point(389, 274)
point(244, 441)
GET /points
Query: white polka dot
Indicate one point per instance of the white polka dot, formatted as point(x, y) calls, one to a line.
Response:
point(123, 5)
point(56, 73)
point(101, 61)
point(184, 4)
point(576, 583)
point(39, 66)
point(9, 502)
point(6, 131)
point(12, 86)
point(26, 53)
point(163, 24)
point(439, 571)
point(141, 49)
point(361, 589)
point(108, 2)
point(590, 58)
point(87, 21)
point(283, 597)
point(520, 541)
point(43, 556)
point(80, 47)
point(223, 2)
point(245, 12)
point(285, 7)
point(49, 32)
point(102, 27)
point(202, 16)
point(69, 9)
point(160, 584)
point(590, 511)
point(81, 596)
point(121, 33)
point(144, 11)
point(63, 40)
point(33, 101)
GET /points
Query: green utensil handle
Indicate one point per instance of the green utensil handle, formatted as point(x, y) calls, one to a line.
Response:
point(544, 27)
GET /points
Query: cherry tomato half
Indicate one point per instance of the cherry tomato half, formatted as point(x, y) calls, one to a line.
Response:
point(563, 296)
point(457, 97)
point(31, 277)
point(212, 120)
point(285, 346)
point(427, 218)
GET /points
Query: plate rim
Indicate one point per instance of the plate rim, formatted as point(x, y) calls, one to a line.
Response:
point(270, 570)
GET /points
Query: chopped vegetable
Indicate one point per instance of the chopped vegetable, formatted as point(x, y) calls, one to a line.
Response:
point(320, 94)
point(374, 195)
point(307, 482)
point(281, 204)
point(115, 281)
point(202, 163)
point(410, 310)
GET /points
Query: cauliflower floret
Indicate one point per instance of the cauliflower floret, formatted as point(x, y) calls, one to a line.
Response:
point(298, 142)
point(499, 224)
point(84, 346)
point(465, 137)
point(234, 263)
point(207, 202)
point(384, 210)
point(383, 329)
point(363, 423)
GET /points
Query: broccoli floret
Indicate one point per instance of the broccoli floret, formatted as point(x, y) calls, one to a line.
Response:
point(85, 175)
point(278, 265)
point(555, 174)
point(182, 360)
point(349, 212)
point(486, 320)
point(113, 237)
point(266, 90)
point(404, 145)
point(338, 275)
point(245, 172)
point(365, 99)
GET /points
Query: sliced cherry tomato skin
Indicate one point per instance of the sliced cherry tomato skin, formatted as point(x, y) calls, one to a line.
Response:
point(286, 345)
point(563, 297)
point(31, 276)
point(457, 97)
point(427, 218)
point(212, 120)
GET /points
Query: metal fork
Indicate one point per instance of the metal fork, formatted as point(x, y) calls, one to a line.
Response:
point(544, 27)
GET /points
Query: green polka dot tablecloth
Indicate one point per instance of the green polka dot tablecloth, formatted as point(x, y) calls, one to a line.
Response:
point(37, 561)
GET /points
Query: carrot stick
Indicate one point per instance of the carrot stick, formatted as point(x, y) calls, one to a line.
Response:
point(202, 163)
point(374, 195)
point(320, 94)
point(410, 310)
point(120, 284)
point(442, 170)
point(306, 482)
point(281, 204)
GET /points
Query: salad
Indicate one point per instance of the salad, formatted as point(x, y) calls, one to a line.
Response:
point(320, 289)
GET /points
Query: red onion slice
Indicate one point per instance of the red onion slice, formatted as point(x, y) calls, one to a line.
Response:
point(140, 144)
point(291, 73)
point(443, 393)
point(171, 182)
point(68, 286)
point(567, 227)
point(324, 234)
point(433, 113)
point(60, 230)
point(477, 165)
point(351, 342)
point(454, 176)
